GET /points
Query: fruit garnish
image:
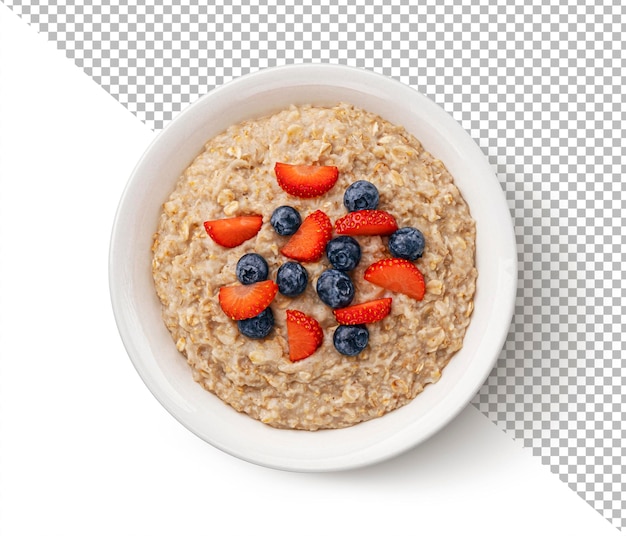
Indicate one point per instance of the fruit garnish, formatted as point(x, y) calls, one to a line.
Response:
point(259, 326)
point(305, 180)
point(366, 222)
point(231, 232)
point(407, 243)
point(309, 241)
point(304, 335)
point(292, 279)
point(361, 195)
point(397, 275)
point(245, 301)
point(285, 220)
point(344, 253)
point(351, 340)
point(335, 288)
point(364, 313)
point(252, 268)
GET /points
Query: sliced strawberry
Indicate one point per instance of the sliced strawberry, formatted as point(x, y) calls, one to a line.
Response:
point(245, 301)
point(304, 335)
point(364, 313)
point(231, 232)
point(366, 222)
point(304, 180)
point(397, 275)
point(308, 243)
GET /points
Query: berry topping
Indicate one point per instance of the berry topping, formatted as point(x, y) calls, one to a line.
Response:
point(351, 340)
point(248, 303)
point(285, 220)
point(344, 253)
point(364, 313)
point(304, 335)
point(231, 232)
point(245, 301)
point(366, 222)
point(397, 275)
point(309, 241)
point(259, 326)
point(407, 243)
point(335, 288)
point(361, 195)
point(292, 279)
point(305, 180)
point(252, 268)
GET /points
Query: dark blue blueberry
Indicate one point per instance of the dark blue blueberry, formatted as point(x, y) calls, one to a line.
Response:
point(258, 326)
point(335, 288)
point(252, 268)
point(291, 279)
point(344, 253)
point(351, 340)
point(285, 220)
point(407, 243)
point(361, 195)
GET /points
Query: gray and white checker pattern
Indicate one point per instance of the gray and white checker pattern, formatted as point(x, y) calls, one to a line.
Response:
point(537, 83)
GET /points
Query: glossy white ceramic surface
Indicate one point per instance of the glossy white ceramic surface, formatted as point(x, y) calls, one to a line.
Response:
point(137, 310)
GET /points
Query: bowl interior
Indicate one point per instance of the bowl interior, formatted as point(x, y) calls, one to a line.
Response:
point(137, 309)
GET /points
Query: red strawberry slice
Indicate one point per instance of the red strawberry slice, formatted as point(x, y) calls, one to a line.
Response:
point(366, 222)
point(397, 275)
point(245, 301)
point(304, 335)
point(364, 313)
point(308, 243)
point(305, 180)
point(231, 232)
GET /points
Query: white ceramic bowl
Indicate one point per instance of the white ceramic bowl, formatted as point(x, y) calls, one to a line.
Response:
point(137, 310)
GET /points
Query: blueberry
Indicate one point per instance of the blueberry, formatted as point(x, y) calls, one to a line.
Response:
point(258, 326)
point(252, 268)
point(285, 220)
point(291, 279)
point(335, 288)
point(344, 253)
point(361, 195)
point(351, 340)
point(407, 243)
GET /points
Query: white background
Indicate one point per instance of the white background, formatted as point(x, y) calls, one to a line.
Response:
point(86, 449)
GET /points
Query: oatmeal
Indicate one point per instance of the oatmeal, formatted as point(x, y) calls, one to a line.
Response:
point(410, 341)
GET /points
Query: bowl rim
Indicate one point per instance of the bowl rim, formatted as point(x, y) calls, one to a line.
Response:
point(360, 79)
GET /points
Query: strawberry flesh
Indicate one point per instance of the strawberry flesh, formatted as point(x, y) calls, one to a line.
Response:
point(308, 243)
point(305, 181)
point(246, 301)
point(366, 222)
point(397, 275)
point(364, 313)
point(304, 335)
point(232, 232)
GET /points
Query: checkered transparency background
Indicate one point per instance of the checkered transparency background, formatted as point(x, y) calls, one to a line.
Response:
point(538, 85)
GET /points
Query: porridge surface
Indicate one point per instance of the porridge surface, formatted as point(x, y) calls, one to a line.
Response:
point(234, 175)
